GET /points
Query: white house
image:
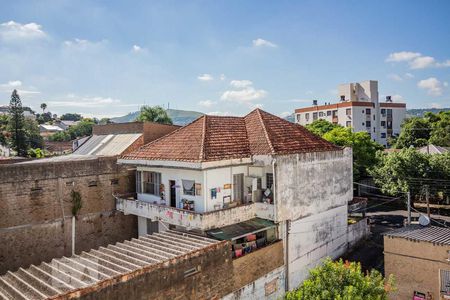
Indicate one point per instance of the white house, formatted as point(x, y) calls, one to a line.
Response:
point(258, 171)
point(360, 109)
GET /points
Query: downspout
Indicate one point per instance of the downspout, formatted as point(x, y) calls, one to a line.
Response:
point(275, 210)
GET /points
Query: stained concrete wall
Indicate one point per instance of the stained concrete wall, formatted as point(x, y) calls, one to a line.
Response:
point(35, 209)
point(415, 266)
point(311, 183)
point(314, 238)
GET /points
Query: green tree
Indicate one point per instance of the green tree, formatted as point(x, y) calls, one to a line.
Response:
point(321, 126)
point(83, 128)
point(440, 128)
point(415, 132)
point(364, 148)
point(155, 114)
point(71, 117)
point(16, 125)
point(342, 281)
point(43, 107)
point(4, 129)
point(32, 134)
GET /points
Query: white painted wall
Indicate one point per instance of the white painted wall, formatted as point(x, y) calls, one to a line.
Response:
point(314, 238)
point(257, 289)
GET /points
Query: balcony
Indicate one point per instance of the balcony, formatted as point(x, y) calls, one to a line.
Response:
point(129, 205)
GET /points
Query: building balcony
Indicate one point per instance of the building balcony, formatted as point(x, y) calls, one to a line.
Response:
point(129, 205)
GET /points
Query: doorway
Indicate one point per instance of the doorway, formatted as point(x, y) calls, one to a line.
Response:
point(173, 194)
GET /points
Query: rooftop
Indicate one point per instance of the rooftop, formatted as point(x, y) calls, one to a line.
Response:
point(418, 233)
point(107, 145)
point(212, 138)
point(98, 268)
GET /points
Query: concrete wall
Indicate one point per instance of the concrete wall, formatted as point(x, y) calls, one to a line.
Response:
point(415, 266)
point(35, 209)
point(357, 232)
point(312, 183)
point(314, 238)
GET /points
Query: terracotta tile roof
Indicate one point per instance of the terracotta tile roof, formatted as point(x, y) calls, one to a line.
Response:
point(212, 138)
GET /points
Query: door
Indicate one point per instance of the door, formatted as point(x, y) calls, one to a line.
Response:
point(173, 194)
point(238, 187)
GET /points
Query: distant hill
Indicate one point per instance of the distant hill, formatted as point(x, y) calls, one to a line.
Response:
point(179, 117)
point(419, 112)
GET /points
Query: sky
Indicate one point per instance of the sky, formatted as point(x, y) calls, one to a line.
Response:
point(108, 58)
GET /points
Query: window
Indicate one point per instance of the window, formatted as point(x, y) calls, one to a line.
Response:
point(329, 113)
point(383, 112)
point(238, 187)
point(383, 135)
point(321, 114)
point(367, 111)
point(348, 111)
point(138, 182)
point(374, 117)
point(348, 124)
point(368, 124)
point(188, 187)
point(152, 181)
point(389, 113)
point(307, 116)
point(298, 118)
point(314, 116)
point(363, 111)
point(269, 181)
point(383, 123)
point(362, 123)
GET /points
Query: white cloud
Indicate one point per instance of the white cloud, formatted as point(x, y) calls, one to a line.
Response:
point(395, 77)
point(12, 84)
point(243, 92)
point(206, 103)
point(222, 77)
point(263, 43)
point(402, 56)
point(218, 113)
point(285, 114)
point(72, 100)
point(17, 85)
point(82, 44)
point(436, 105)
point(240, 83)
point(432, 85)
point(397, 98)
point(422, 62)
point(138, 49)
point(16, 31)
point(205, 77)
point(416, 60)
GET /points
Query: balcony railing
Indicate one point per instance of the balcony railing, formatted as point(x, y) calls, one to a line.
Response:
point(129, 205)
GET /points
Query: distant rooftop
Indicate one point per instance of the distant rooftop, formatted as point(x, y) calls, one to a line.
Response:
point(107, 145)
point(432, 234)
point(73, 276)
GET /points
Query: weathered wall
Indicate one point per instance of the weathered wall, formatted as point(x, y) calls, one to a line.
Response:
point(252, 266)
point(311, 183)
point(312, 239)
point(213, 280)
point(35, 209)
point(271, 286)
point(357, 232)
point(415, 266)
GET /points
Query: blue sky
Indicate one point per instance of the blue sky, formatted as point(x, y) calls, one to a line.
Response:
point(107, 58)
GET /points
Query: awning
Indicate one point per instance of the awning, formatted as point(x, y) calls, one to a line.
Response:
point(240, 230)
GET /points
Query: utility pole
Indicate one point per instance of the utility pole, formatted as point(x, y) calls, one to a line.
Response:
point(427, 197)
point(409, 207)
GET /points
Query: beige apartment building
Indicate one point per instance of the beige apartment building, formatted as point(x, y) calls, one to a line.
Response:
point(359, 108)
point(418, 257)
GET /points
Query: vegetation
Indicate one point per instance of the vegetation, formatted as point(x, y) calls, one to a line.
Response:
point(76, 202)
point(83, 128)
point(43, 107)
point(342, 281)
point(155, 114)
point(430, 129)
point(37, 153)
point(4, 129)
point(410, 170)
point(16, 125)
point(364, 148)
point(71, 117)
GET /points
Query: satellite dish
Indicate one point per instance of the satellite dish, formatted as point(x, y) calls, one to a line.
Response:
point(424, 220)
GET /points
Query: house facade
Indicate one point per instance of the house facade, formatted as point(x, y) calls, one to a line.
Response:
point(253, 180)
point(360, 109)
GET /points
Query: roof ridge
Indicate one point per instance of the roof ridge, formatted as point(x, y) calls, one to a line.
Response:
point(202, 146)
point(266, 134)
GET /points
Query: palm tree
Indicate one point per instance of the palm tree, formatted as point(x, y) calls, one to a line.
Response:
point(155, 114)
point(43, 107)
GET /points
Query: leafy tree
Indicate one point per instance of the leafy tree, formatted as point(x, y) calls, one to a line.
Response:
point(43, 107)
point(44, 118)
point(33, 136)
point(104, 121)
point(71, 117)
point(440, 125)
point(364, 148)
point(3, 129)
point(16, 125)
point(155, 114)
point(83, 128)
point(37, 153)
point(415, 132)
point(321, 126)
point(342, 281)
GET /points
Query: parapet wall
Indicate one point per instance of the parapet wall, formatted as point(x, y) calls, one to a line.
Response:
point(36, 209)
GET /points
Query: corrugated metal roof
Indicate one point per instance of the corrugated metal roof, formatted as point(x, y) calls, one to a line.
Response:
point(238, 230)
point(67, 274)
point(107, 145)
point(432, 234)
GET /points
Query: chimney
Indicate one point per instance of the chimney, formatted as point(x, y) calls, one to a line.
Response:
point(388, 99)
point(315, 102)
point(342, 98)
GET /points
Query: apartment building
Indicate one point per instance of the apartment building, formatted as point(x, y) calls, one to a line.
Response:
point(359, 108)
